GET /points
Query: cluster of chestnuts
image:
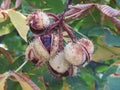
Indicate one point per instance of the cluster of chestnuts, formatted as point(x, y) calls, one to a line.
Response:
point(48, 45)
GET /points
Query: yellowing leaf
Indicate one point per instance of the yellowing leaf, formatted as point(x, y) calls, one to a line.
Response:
point(4, 30)
point(3, 17)
point(65, 86)
point(26, 83)
point(105, 52)
point(3, 78)
point(20, 23)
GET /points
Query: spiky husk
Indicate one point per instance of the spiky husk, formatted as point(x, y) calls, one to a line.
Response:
point(58, 63)
point(36, 52)
point(74, 53)
point(88, 44)
point(38, 21)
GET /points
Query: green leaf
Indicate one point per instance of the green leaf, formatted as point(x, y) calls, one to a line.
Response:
point(78, 24)
point(64, 1)
point(87, 74)
point(56, 6)
point(111, 39)
point(53, 83)
point(12, 85)
point(91, 19)
point(76, 83)
point(118, 2)
point(114, 82)
point(109, 52)
point(26, 7)
point(3, 64)
point(6, 27)
point(110, 71)
point(14, 42)
point(65, 85)
point(101, 69)
point(96, 31)
point(20, 23)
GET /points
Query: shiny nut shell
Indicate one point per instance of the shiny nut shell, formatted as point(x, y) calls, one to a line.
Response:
point(74, 53)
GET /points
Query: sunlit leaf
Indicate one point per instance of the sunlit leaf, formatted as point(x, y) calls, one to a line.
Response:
point(101, 68)
point(3, 78)
point(25, 83)
point(65, 86)
point(105, 52)
point(20, 23)
point(5, 29)
point(3, 16)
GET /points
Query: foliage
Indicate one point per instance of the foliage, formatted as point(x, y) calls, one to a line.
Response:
point(103, 73)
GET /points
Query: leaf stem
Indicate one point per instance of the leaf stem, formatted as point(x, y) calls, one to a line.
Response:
point(78, 32)
point(81, 34)
point(21, 66)
point(93, 17)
